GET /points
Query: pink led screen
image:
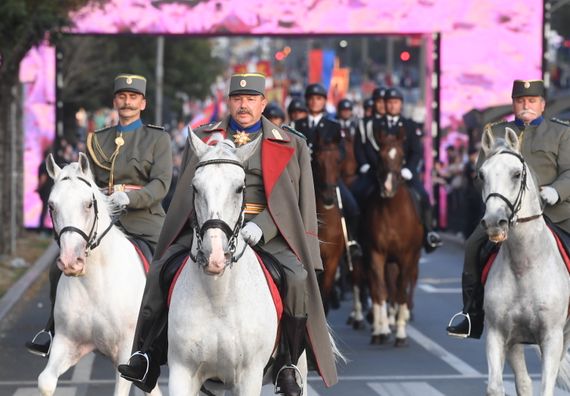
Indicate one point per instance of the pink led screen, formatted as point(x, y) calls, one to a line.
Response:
point(485, 44)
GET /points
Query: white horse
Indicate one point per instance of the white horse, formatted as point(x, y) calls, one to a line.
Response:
point(99, 297)
point(528, 287)
point(222, 320)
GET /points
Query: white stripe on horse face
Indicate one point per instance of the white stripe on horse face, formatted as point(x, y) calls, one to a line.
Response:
point(392, 153)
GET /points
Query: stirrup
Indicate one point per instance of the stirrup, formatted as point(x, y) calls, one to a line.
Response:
point(144, 355)
point(48, 332)
point(457, 335)
point(431, 235)
point(289, 366)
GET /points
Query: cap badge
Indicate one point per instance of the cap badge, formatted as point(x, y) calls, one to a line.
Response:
point(242, 83)
point(129, 80)
point(527, 84)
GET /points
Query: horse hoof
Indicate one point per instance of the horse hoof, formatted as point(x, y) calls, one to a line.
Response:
point(350, 321)
point(369, 317)
point(380, 339)
point(375, 340)
point(401, 343)
point(358, 324)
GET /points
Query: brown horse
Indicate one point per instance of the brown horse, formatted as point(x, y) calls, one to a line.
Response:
point(349, 165)
point(394, 235)
point(326, 172)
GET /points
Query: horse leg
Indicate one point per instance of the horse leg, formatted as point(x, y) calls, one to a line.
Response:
point(250, 382)
point(495, 349)
point(551, 348)
point(183, 381)
point(380, 328)
point(516, 359)
point(392, 274)
point(63, 355)
point(356, 318)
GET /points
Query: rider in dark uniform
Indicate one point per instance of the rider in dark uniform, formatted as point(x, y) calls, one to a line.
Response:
point(131, 162)
point(274, 114)
point(315, 123)
point(296, 110)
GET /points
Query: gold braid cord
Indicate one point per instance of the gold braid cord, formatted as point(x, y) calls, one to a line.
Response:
point(93, 147)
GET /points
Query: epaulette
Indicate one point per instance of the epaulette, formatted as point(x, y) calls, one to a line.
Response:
point(293, 131)
point(102, 129)
point(559, 121)
point(492, 124)
point(155, 127)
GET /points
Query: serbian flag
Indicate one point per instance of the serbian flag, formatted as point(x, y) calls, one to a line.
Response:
point(321, 66)
point(210, 112)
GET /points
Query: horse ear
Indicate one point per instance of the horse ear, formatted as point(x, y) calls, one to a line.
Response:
point(197, 145)
point(52, 168)
point(487, 141)
point(512, 140)
point(84, 166)
point(247, 150)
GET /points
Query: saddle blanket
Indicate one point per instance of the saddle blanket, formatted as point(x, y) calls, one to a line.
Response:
point(273, 289)
point(144, 257)
point(561, 248)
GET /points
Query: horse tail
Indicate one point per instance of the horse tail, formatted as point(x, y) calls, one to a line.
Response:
point(563, 378)
point(338, 355)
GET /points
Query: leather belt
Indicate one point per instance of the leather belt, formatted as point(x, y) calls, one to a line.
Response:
point(254, 208)
point(126, 187)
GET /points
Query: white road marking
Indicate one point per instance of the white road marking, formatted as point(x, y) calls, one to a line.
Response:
point(433, 289)
point(510, 389)
point(404, 389)
point(441, 352)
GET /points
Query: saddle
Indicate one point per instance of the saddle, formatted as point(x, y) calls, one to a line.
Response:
point(490, 250)
point(144, 250)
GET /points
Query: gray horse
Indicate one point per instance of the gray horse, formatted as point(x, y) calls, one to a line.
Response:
point(528, 287)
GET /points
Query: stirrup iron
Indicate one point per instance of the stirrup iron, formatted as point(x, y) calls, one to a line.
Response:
point(460, 314)
point(289, 366)
point(145, 356)
point(48, 332)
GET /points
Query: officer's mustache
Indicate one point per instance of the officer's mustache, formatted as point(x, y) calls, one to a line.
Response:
point(128, 108)
point(528, 111)
point(244, 111)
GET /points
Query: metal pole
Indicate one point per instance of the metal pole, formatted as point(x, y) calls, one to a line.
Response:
point(159, 79)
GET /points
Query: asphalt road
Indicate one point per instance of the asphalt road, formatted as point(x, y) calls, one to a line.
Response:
point(432, 365)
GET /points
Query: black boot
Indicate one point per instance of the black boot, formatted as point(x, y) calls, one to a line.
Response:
point(142, 370)
point(354, 248)
point(39, 347)
point(432, 240)
point(472, 324)
point(294, 328)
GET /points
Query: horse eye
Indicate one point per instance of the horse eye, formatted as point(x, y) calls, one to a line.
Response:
point(90, 205)
point(517, 175)
point(240, 189)
point(481, 176)
point(51, 207)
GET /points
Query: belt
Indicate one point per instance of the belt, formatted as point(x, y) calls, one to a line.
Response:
point(254, 208)
point(126, 187)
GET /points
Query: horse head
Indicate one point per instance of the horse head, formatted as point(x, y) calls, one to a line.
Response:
point(504, 175)
point(390, 161)
point(218, 190)
point(74, 212)
point(326, 168)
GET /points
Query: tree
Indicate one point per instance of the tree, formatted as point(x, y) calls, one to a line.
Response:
point(24, 24)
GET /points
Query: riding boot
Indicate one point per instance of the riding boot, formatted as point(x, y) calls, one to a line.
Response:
point(472, 324)
point(355, 250)
point(41, 343)
point(293, 342)
point(432, 240)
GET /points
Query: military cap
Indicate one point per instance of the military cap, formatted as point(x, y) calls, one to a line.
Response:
point(368, 103)
point(344, 104)
point(378, 93)
point(131, 83)
point(247, 84)
point(272, 110)
point(315, 89)
point(393, 93)
point(528, 88)
point(296, 105)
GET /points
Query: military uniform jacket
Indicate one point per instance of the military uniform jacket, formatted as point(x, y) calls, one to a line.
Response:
point(546, 149)
point(144, 160)
point(326, 129)
point(290, 199)
point(413, 147)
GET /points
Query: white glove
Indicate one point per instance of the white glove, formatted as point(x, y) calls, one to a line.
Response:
point(119, 199)
point(251, 233)
point(549, 195)
point(364, 168)
point(406, 174)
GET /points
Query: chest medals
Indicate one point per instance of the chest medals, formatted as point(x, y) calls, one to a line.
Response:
point(241, 138)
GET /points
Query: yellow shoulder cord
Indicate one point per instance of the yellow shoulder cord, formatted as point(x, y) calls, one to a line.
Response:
point(119, 141)
point(92, 140)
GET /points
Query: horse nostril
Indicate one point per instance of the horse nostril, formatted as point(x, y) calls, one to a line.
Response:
point(483, 223)
point(503, 222)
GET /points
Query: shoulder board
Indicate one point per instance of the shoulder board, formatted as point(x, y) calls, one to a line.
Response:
point(212, 130)
point(155, 127)
point(293, 131)
point(492, 124)
point(205, 125)
point(102, 129)
point(559, 121)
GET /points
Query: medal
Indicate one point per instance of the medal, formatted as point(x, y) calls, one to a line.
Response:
point(119, 141)
point(241, 138)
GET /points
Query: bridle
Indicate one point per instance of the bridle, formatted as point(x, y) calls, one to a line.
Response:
point(231, 233)
point(91, 239)
point(516, 206)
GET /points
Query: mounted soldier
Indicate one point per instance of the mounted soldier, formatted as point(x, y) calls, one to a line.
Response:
point(132, 163)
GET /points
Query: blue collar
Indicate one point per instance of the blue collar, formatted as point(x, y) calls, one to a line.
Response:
point(131, 127)
point(235, 126)
point(534, 122)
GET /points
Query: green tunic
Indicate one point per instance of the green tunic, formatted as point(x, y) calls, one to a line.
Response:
point(144, 160)
point(546, 149)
